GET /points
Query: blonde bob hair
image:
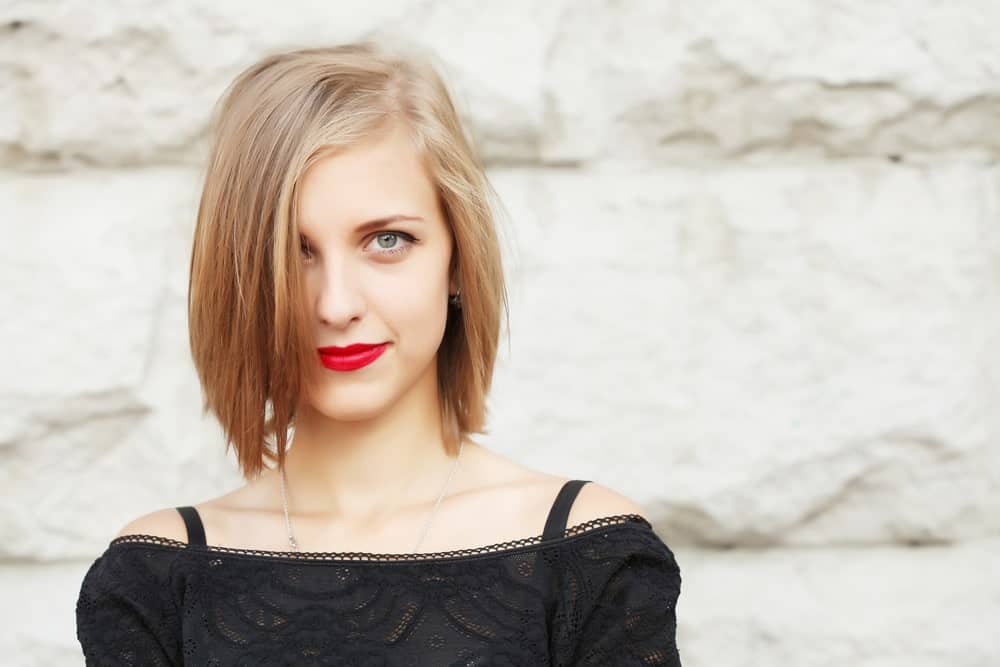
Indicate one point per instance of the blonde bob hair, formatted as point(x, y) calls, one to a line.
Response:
point(251, 329)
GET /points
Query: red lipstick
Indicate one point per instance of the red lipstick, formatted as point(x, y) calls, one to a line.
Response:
point(352, 357)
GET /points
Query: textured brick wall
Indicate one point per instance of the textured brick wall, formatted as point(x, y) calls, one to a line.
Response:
point(755, 273)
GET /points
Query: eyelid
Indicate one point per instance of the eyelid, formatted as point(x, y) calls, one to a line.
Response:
point(397, 232)
point(387, 230)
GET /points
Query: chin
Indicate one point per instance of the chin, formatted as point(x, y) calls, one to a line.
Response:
point(360, 414)
point(351, 399)
point(351, 405)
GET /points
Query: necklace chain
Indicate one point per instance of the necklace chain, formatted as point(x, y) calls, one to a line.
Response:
point(288, 524)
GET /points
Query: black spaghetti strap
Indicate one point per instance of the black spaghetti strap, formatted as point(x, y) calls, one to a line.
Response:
point(195, 529)
point(555, 524)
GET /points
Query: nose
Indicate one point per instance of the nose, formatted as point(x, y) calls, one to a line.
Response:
point(340, 300)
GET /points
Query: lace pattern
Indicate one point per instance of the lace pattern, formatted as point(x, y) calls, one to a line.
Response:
point(511, 545)
point(603, 593)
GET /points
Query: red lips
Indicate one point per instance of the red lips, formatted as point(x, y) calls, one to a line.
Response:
point(351, 357)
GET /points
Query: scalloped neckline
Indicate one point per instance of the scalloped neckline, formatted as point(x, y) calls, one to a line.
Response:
point(497, 549)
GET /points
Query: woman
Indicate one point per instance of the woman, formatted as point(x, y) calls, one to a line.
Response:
point(344, 309)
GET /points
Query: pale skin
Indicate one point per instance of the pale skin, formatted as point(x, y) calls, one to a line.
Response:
point(368, 461)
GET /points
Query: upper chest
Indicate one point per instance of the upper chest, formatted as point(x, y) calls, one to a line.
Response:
point(487, 515)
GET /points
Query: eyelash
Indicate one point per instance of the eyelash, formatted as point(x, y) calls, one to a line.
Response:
point(410, 240)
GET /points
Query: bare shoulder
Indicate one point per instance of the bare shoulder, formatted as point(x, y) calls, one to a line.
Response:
point(536, 490)
point(161, 523)
point(595, 501)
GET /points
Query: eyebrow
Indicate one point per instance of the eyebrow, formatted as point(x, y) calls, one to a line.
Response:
point(381, 222)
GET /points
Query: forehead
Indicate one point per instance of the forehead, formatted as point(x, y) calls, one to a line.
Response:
point(381, 177)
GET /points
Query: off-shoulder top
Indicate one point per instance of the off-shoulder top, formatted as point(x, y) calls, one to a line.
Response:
point(603, 592)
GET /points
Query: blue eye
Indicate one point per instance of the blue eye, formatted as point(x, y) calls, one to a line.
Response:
point(388, 242)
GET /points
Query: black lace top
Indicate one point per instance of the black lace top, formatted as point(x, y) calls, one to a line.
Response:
point(602, 592)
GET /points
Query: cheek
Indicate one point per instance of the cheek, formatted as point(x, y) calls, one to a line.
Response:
point(416, 304)
point(418, 314)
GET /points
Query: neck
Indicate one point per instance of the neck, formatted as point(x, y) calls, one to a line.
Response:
point(365, 469)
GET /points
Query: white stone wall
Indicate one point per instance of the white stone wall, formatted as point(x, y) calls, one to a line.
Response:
point(755, 273)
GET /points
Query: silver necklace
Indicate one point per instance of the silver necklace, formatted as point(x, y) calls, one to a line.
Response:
point(288, 524)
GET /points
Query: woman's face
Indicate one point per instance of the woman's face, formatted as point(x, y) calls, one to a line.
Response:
point(374, 282)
